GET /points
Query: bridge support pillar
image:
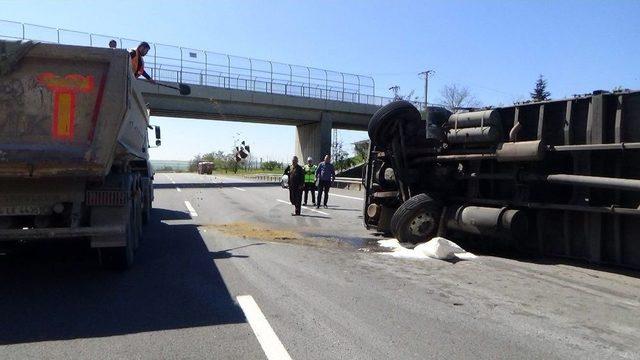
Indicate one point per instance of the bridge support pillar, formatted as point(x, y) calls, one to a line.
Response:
point(314, 139)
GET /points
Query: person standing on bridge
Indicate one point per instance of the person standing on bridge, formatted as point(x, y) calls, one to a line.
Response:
point(296, 184)
point(326, 174)
point(137, 63)
point(310, 181)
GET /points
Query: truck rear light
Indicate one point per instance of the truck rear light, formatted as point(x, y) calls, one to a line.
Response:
point(106, 198)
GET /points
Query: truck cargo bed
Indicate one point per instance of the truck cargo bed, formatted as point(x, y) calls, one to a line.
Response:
point(67, 110)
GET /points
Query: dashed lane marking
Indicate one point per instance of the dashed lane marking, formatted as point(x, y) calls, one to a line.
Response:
point(239, 189)
point(178, 189)
point(271, 345)
point(192, 211)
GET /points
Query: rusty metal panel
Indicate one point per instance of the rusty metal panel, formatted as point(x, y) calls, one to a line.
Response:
point(65, 110)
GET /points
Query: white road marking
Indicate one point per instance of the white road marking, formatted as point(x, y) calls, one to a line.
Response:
point(314, 210)
point(345, 196)
point(239, 189)
point(267, 338)
point(192, 211)
point(304, 207)
point(178, 189)
point(173, 182)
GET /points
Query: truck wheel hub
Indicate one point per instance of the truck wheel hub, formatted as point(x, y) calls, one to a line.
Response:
point(422, 224)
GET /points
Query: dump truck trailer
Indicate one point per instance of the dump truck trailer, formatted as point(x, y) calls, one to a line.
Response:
point(74, 145)
point(559, 178)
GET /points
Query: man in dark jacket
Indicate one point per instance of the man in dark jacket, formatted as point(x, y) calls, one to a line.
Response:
point(326, 174)
point(296, 185)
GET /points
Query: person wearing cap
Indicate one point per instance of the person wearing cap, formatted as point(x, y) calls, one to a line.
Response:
point(310, 181)
point(296, 184)
point(137, 63)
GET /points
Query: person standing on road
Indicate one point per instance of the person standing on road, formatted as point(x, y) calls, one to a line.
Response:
point(310, 181)
point(296, 184)
point(326, 174)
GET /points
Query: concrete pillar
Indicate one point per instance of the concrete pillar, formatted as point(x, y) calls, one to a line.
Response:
point(314, 139)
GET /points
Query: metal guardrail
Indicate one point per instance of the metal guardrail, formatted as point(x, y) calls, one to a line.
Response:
point(201, 67)
point(276, 178)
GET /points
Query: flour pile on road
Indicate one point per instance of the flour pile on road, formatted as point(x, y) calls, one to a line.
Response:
point(436, 248)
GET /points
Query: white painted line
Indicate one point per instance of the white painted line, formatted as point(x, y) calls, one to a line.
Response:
point(192, 211)
point(173, 182)
point(304, 207)
point(345, 196)
point(314, 210)
point(178, 189)
point(267, 338)
point(239, 189)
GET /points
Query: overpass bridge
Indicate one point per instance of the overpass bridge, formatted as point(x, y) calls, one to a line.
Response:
point(235, 88)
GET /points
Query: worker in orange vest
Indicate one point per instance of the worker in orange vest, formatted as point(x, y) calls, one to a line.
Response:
point(137, 63)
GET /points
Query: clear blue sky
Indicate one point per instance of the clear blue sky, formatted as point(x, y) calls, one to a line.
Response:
point(495, 48)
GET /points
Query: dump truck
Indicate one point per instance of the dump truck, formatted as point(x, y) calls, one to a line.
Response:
point(74, 142)
point(558, 178)
point(205, 167)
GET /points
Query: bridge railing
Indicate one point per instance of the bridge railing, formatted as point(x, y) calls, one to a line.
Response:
point(194, 66)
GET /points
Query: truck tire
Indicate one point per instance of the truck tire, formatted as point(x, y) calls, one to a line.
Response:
point(121, 258)
point(382, 126)
point(416, 220)
point(146, 204)
point(137, 212)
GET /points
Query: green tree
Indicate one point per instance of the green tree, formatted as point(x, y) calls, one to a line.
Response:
point(341, 158)
point(540, 92)
point(193, 165)
point(270, 165)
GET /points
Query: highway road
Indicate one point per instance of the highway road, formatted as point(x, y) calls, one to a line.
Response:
point(225, 272)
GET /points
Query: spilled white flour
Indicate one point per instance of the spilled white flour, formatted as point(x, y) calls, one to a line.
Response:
point(436, 248)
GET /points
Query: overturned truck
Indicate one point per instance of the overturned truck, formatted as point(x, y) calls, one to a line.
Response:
point(74, 159)
point(557, 178)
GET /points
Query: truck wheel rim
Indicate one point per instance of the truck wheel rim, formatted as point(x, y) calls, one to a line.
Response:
point(422, 224)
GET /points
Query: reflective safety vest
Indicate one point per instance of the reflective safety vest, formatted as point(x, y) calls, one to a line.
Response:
point(137, 64)
point(310, 174)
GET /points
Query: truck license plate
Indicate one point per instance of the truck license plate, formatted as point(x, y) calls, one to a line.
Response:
point(24, 210)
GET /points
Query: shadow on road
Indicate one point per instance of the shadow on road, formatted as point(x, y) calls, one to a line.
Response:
point(213, 185)
point(59, 292)
point(226, 254)
point(166, 214)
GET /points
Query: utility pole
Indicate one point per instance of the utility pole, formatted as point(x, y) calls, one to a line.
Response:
point(426, 74)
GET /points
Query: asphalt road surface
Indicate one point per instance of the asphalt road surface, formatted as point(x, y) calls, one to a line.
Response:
point(225, 272)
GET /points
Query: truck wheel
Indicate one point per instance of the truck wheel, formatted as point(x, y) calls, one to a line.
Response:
point(146, 194)
point(137, 209)
point(416, 220)
point(121, 258)
point(382, 126)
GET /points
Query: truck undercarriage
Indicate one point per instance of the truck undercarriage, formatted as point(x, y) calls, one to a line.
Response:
point(558, 178)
